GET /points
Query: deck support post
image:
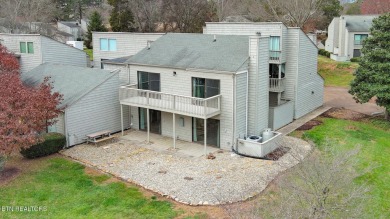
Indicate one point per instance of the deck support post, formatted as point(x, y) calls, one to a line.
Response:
point(174, 130)
point(148, 123)
point(205, 137)
point(279, 83)
point(122, 119)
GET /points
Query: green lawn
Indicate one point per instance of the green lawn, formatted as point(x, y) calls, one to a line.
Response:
point(337, 74)
point(68, 192)
point(374, 137)
point(89, 53)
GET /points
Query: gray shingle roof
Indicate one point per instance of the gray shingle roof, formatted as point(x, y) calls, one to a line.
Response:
point(71, 24)
point(120, 60)
point(71, 81)
point(196, 51)
point(359, 23)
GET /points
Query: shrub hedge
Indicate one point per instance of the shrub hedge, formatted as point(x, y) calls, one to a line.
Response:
point(355, 59)
point(323, 52)
point(53, 142)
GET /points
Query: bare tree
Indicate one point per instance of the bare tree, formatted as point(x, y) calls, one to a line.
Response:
point(188, 16)
point(146, 14)
point(323, 185)
point(293, 13)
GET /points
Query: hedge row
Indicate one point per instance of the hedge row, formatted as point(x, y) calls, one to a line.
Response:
point(53, 142)
point(323, 52)
point(355, 59)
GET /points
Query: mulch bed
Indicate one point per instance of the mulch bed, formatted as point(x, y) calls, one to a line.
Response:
point(309, 125)
point(342, 113)
point(8, 173)
point(276, 154)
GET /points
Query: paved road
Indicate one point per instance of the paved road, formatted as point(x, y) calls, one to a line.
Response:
point(339, 97)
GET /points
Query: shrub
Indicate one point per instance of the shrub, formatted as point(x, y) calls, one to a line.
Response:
point(323, 52)
point(53, 142)
point(355, 59)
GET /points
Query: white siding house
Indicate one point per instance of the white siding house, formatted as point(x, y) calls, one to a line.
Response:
point(35, 49)
point(70, 27)
point(295, 58)
point(112, 45)
point(346, 35)
point(235, 80)
point(90, 99)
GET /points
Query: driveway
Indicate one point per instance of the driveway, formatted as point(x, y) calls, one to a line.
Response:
point(339, 97)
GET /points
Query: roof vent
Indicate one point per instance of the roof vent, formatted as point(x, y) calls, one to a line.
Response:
point(215, 38)
point(149, 43)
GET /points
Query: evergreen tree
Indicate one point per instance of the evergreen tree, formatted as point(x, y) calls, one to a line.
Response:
point(121, 17)
point(95, 24)
point(373, 75)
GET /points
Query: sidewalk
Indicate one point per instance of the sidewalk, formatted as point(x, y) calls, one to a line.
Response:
point(304, 119)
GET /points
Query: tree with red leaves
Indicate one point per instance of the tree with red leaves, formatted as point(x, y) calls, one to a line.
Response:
point(375, 6)
point(24, 111)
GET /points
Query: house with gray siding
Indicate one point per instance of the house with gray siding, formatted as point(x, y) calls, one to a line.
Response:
point(231, 82)
point(346, 35)
point(90, 101)
point(70, 27)
point(34, 49)
point(112, 45)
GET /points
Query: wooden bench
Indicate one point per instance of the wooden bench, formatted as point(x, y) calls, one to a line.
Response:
point(99, 136)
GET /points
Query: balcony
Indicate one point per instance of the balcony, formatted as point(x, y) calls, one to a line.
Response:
point(275, 56)
point(276, 85)
point(184, 105)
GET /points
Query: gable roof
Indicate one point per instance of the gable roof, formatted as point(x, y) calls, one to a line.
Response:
point(71, 81)
point(359, 23)
point(195, 51)
point(71, 24)
point(118, 61)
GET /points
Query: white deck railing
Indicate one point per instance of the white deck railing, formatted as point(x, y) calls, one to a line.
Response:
point(275, 55)
point(276, 84)
point(185, 105)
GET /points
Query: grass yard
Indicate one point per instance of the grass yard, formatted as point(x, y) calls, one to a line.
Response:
point(89, 53)
point(68, 192)
point(374, 137)
point(338, 74)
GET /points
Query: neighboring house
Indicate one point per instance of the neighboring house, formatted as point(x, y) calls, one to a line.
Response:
point(70, 27)
point(90, 100)
point(223, 87)
point(346, 35)
point(35, 49)
point(119, 64)
point(112, 45)
point(313, 37)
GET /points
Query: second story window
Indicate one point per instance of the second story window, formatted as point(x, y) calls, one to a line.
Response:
point(205, 88)
point(26, 47)
point(359, 38)
point(274, 43)
point(107, 44)
point(148, 81)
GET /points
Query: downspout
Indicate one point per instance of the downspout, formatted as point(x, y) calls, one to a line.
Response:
point(247, 101)
point(296, 76)
point(234, 110)
point(66, 128)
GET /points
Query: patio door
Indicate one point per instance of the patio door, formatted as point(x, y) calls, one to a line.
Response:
point(154, 120)
point(212, 131)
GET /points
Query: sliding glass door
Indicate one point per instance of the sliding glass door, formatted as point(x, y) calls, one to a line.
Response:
point(148, 81)
point(205, 88)
point(154, 120)
point(212, 131)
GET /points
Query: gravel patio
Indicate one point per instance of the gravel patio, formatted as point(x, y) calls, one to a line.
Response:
point(192, 180)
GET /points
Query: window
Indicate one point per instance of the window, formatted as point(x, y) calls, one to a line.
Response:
point(26, 47)
point(359, 38)
point(148, 81)
point(23, 48)
point(205, 88)
point(107, 44)
point(274, 43)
